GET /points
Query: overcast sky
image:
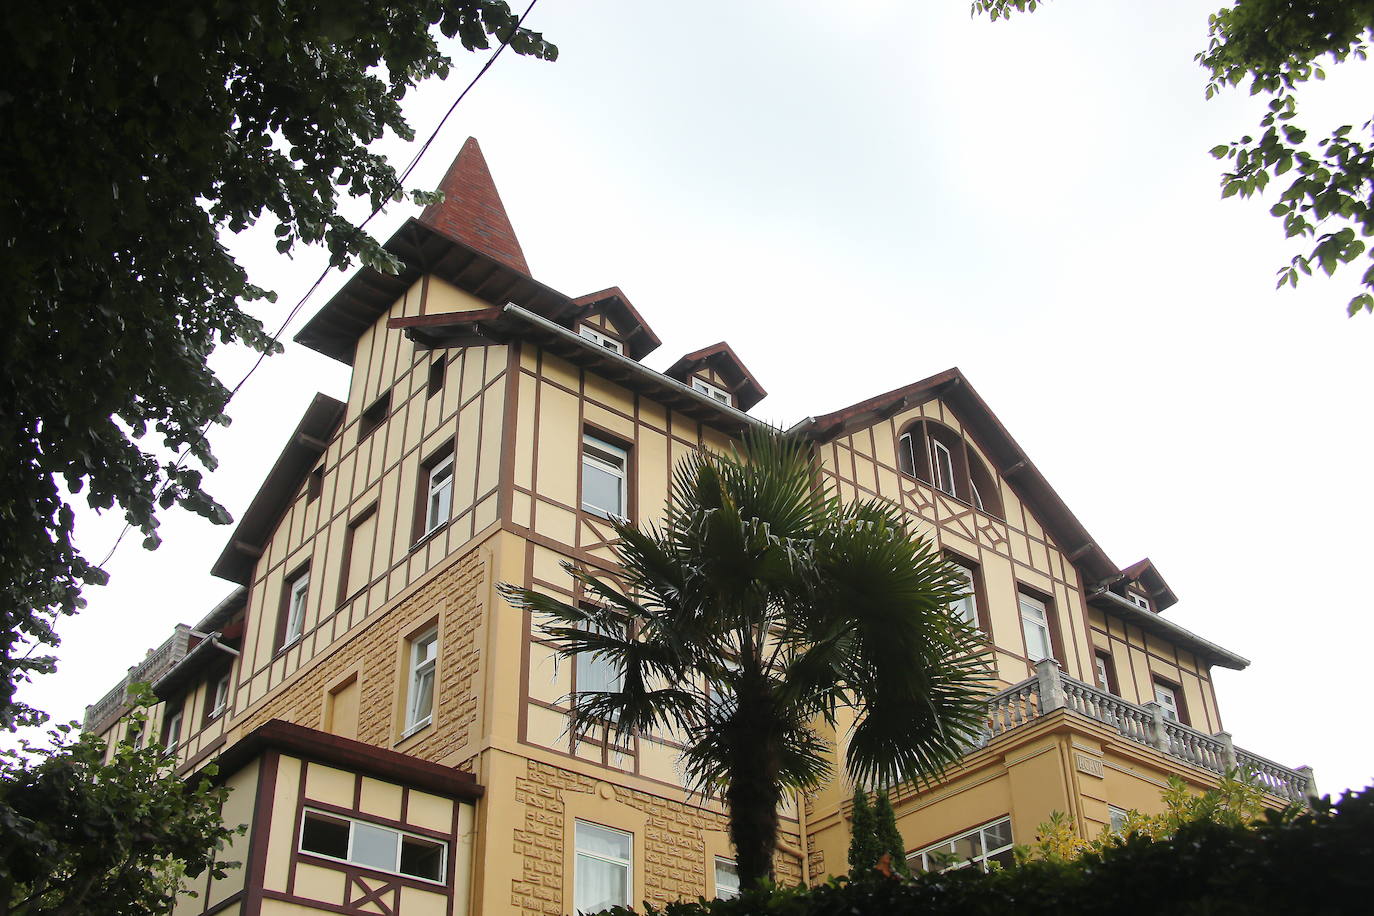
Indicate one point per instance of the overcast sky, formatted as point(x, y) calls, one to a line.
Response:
point(859, 195)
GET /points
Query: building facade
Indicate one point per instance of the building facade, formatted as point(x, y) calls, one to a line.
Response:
point(396, 735)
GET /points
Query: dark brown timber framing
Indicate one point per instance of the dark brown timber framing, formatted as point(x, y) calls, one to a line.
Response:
point(302, 450)
point(347, 754)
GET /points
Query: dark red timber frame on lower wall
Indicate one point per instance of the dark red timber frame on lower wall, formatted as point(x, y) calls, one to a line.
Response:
point(275, 739)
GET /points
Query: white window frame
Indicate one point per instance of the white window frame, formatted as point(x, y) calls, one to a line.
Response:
point(627, 863)
point(400, 836)
point(906, 444)
point(423, 664)
point(937, 473)
point(601, 455)
point(1029, 607)
point(977, 497)
point(173, 729)
point(966, 608)
point(920, 860)
point(1166, 695)
point(725, 891)
point(295, 608)
point(1104, 680)
point(1116, 819)
point(439, 494)
point(221, 695)
point(706, 388)
point(601, 340)
point(1139, 600)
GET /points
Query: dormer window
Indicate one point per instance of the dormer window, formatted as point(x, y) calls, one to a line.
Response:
point(938, 455)
point(706, 388)
point(601, 340)
point(1139, 600)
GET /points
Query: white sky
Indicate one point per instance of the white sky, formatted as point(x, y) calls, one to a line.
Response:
point(859, 195)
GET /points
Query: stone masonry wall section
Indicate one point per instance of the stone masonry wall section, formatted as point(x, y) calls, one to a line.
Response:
point(673, 847)
point(455, 598)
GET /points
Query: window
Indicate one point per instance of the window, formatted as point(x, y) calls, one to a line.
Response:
point(705, 387)
point(360, 542)
point(218, 697)
point(966, 608)
point(314, 485)
point(1116, 818)
point(297, 592)
point(439, 494)
point(1139, 600)
point(436, 376)
point(601, 867)
point(171, 730)
point(727, 879)
point(596, 337)
point(1035, 626)
point(933, 452)
point(1167, 696)
point(942, 467)
point(373, 846)
point(594, 672)
point(424, 652)
point(976, 847)
point(374, 416)
point(1106, 675)
point(603, 477)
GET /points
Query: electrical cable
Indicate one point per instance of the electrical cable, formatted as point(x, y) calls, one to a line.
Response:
point(295, 309)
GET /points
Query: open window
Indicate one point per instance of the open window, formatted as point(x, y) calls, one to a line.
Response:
point(374, 846)
point(423, 656)
point(938, 455)
point(374, 416)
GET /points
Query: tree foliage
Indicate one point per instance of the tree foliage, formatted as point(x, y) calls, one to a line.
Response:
point(759, 609)
point(79, 835)
point(1276, 46)
point(890, 842)
point(136, 131)
point(1236, 801)
point(863, 837)
point(1319, 861)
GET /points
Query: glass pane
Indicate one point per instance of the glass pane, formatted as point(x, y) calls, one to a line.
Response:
point(326, 836)
point(422, 703)
point(599, 885)
point(1005, 858)
point(422, 858)
point(374, 846)
point(603, 841)
point(968, 847)
point(998, 834)
point(600, 490)
point(1037, 640)
point(727, 878)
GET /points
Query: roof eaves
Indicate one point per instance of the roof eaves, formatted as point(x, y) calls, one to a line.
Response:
point(1167, 629)
point(302, 450)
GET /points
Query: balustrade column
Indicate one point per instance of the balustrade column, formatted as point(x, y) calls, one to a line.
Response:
point(1051, 685)
point(1158, 737)
point(1228, 750)
point(1309, 781)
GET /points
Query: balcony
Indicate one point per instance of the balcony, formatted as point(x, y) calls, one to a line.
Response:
point(1051, 689)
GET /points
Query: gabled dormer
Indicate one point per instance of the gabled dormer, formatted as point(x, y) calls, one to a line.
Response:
point(717, 372)
point(609, 319)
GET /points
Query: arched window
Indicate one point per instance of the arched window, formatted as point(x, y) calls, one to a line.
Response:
point(938, 455)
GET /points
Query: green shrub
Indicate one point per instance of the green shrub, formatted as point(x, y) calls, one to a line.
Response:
point(1316, 862)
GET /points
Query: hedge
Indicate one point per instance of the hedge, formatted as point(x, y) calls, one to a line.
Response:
point(1321, 861)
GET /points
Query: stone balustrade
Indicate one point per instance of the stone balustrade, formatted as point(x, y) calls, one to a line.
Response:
point(1051, 689)
point(102, 713)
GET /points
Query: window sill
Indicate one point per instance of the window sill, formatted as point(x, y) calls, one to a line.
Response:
point(430, 535)
point(414, 730)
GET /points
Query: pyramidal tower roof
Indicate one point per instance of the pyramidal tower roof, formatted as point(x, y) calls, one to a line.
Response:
point(472, 211)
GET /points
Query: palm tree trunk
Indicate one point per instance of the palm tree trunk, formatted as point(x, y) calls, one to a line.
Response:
point(755, 791)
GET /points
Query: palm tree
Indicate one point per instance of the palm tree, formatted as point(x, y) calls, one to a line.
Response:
point(760, 608)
